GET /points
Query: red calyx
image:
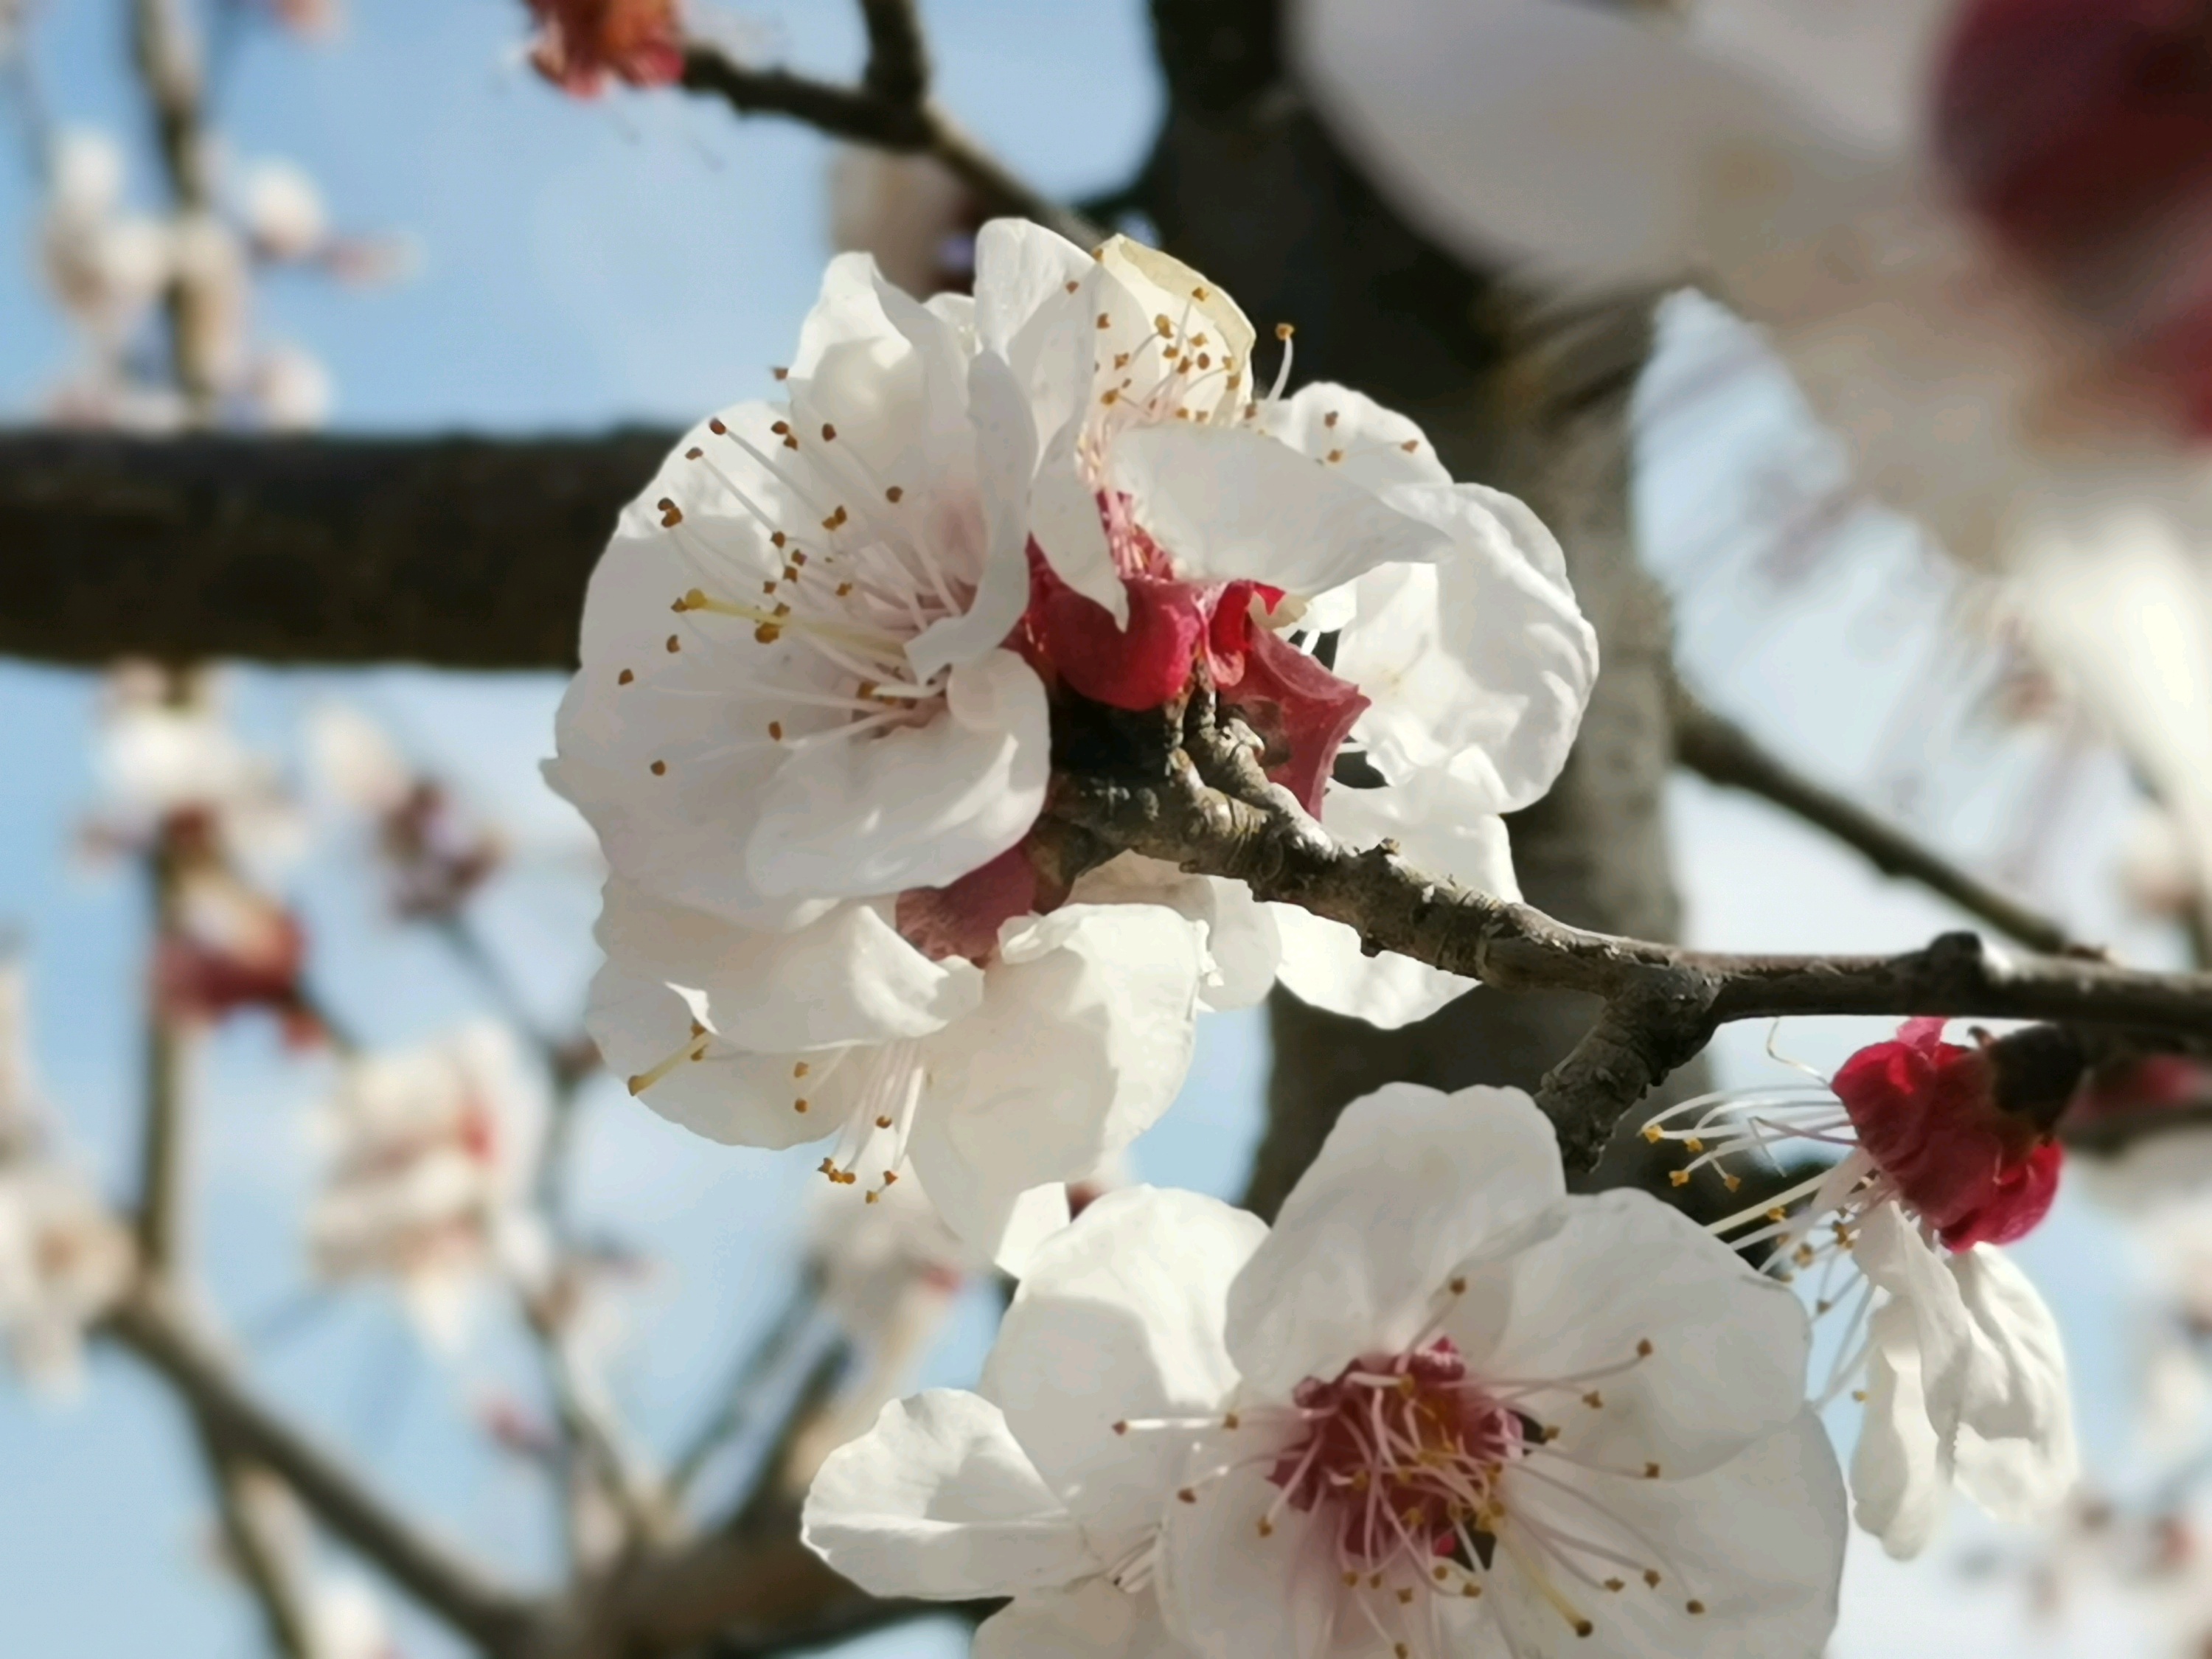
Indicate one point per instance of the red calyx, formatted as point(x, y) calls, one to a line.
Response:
point(962, 918)
point(1927, 1112)
point(2080, 132)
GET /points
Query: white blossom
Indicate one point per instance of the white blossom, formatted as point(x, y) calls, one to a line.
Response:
point(1441, 1408)
point(1175, 497)
point(1964, 1375)
point(63, 1260)
point(105, 265)
point(430, 1152)
point(912, 212)
point(283, 210)
point(1951, 231)
point(1065, 1044)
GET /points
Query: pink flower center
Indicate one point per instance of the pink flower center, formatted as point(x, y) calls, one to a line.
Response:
point(1405, 1454)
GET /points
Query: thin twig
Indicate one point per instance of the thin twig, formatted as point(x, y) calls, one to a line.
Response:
point(168, 62)
point(1207, 807)
point(1721, 752)
point(890, 108)
point(164, 1160)
point(258, 1547)
point(152, 1325)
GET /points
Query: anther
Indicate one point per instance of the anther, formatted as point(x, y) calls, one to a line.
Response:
point(1166, 328)
point(1411, 446)
point(1283, 331)
point(1643, 1348)
point(884, 1121)
point(1651, 1577)
point(674, 645)
point(1458, 1287)
point(671, 514)
point(801, 1069)
point(781, 373)
point(894, 495)
point(1335, 456)
point(782, 428)
point(661, 769)
point(1677, 1177)
point(1186, 1496)
point(1616, 1584)
point(624, 678)
point(835, 520)
point(1329, 419)
point(1651, 1134)
point(716, 427)
point(829, 433)
point(1595, 1400)
point(693, 453)
point(1650, 1471)
point(1105, 321)
point(1693, 1608)
point(776, 731)
point(800, 1105)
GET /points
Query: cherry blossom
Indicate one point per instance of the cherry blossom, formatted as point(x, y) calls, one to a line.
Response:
point(1186, 525)
point(105, 265)
point(1066, 1040)
point(437, 851)
point(1965, 1380)
point(581, 43)
point(1440, 1407)
point(63, 1260)
point(1968, 226)
point(430, 1153)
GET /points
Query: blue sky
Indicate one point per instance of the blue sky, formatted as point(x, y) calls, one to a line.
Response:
point(643, 259)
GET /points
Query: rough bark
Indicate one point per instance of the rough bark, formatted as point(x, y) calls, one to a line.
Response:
point(1246, 186)
point(464, 552)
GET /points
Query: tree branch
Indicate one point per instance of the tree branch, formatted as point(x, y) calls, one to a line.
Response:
point(1207, 808)
point(890, 109)
point(1721, 752)
point(151, 1325)
point(259, 1548)
point(466, 553)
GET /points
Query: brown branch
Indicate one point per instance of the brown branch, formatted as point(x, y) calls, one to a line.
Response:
point(466, 553)
point(151, 1325)
point(168, 62)
point(1207, 809)
point(259, 1548)
point(1721, 752)
point(890, 109)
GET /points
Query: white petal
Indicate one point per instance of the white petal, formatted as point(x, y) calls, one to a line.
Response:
point(1161, 285)
point(2016, 1452)
point(1242, 943)
point(1005, 438)
point(1891, 1252)
point(1229, 1593)
point(1323, 965)
point(738, 1097)
point(1064, 519)
point(1091, 1621)
point(1576, 138)
point(1900, 1472)
point(1480, 663)
point(1757, 1542)
point(848, 977)
point(1727, 1365)
point(1120, 1317)
point(915, 807)
point(1369, 440)
point(937, 1501)
point(1082, 1041)
point(1230, 503)
point(846, 312)
point(1410, 1183)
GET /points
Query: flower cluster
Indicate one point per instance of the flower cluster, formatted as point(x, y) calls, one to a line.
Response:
point(63, 1256)
point(431, 1152)
point(1949, 1157)
point(823, 658)
point(1440, 1407)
